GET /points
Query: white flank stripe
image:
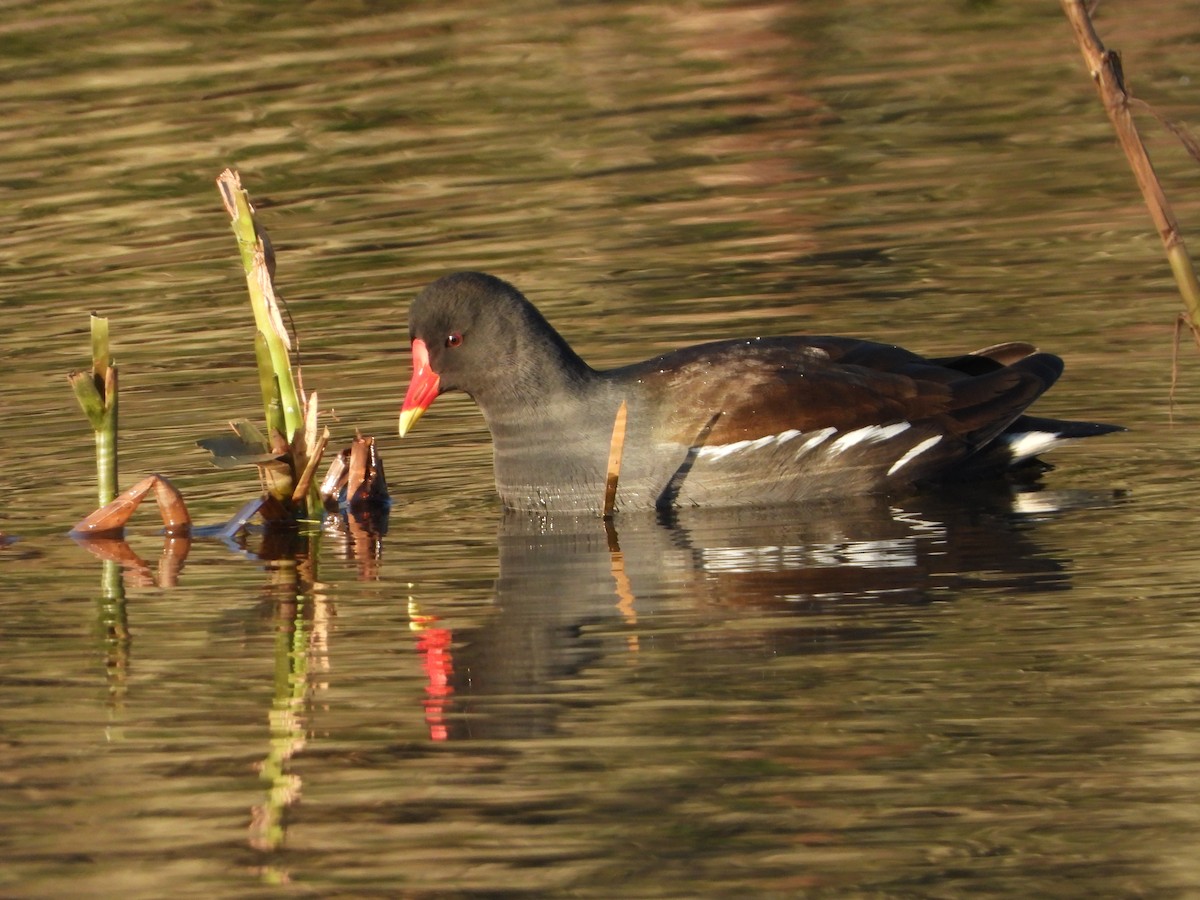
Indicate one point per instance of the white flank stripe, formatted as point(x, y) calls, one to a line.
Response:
point(1030, 443)
point(720, 451)
point(869, 434)
point(913, 454)
point(817, 438)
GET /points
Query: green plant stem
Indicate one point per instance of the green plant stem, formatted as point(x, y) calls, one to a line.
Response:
point(96, 392)
point(254, 252)
point(268, 383)
point(106, 448)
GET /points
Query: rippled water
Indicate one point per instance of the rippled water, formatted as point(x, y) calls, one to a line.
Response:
point(969, 694)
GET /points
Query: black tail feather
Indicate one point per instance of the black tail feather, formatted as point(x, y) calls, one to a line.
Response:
point(1065, 429)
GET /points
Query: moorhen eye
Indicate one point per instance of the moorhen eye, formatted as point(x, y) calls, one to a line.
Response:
point(454, 340)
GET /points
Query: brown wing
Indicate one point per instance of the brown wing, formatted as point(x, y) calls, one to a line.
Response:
point(768, 386)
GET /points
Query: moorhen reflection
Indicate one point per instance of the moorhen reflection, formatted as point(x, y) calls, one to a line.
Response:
point(572, 592)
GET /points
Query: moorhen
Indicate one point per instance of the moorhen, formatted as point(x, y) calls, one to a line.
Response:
point(765, 420)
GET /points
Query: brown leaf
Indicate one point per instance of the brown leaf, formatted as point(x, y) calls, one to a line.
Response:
point(111, 517)
point(170, 503)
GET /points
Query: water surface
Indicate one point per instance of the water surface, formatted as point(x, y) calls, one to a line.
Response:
point(965, 694)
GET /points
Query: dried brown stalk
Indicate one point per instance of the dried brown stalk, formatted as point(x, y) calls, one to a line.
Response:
point(1105, 66)
point(615, 449)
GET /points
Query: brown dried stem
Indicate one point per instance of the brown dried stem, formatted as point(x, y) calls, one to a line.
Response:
point(615, 449)
point(1105, 66)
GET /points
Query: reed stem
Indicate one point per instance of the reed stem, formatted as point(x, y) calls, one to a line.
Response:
point(96, 392)
point(258, 263)
point(1105, 66)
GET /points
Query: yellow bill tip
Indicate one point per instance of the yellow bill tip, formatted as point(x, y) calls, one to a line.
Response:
point(408, 418)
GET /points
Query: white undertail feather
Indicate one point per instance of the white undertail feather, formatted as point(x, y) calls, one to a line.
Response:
point(1025, 444)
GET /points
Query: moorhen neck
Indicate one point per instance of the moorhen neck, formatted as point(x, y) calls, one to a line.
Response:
point(738, 422)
